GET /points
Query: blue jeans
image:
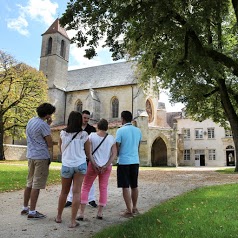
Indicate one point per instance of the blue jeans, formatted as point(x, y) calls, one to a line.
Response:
point(68, 172)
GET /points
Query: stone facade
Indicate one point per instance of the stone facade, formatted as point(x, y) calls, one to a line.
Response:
point(54, 63)
point(95, 88)
point(205, 143)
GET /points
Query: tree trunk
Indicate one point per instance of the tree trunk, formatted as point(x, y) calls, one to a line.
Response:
point(231, 115)
point(2, 156)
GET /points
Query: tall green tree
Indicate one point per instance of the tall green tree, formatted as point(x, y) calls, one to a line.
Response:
point(189, 46)
point(22, 89)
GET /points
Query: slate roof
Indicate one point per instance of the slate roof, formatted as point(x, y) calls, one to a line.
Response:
point(56, 28)
point(103, 76)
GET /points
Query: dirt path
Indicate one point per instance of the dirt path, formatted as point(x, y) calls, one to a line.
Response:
point(155, 186)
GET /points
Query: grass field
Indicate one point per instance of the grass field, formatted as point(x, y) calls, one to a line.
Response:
point(14, 174)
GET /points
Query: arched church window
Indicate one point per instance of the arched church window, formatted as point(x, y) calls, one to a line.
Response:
point(149, 111)
point(115, 107)
point(49, 46)
point(62, 49)
point(79, 106)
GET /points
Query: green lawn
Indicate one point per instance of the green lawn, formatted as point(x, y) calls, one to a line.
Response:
point(210, 212)
point(14, 173)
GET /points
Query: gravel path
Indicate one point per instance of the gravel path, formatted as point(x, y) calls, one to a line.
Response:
point(155, 186)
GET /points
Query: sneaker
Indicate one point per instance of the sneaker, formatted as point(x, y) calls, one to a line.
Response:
point(68, 204)
point(36, 216)
point(25, 212)
point(93, 204)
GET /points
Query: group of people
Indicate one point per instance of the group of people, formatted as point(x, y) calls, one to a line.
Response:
point(87, 153)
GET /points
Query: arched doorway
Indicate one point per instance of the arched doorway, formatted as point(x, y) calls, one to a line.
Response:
point(159, 153)
point(230, 155)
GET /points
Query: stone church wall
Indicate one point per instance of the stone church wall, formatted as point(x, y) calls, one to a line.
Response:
point(123, 93)
point(57, 98)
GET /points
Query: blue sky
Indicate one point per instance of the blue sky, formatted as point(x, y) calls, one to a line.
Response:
point(23, 21)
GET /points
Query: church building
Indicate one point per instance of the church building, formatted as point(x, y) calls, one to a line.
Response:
point(108, 90)
point(105, 91)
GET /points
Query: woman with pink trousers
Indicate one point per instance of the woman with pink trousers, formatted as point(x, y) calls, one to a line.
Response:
point(104, 151)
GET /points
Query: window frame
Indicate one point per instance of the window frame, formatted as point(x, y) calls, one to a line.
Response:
point(187, 155)
point(212, 154)
point(200, 133)
point(115, 107)
point(186, 134)
point(49, 46)
point(211, 133)
point(79, 106)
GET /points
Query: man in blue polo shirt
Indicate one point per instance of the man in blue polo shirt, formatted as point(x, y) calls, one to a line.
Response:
point(128, 139)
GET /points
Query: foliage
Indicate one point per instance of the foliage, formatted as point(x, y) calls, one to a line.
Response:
point(22, 88)
point(205, 212)
point(14, 175)
point(187, 46)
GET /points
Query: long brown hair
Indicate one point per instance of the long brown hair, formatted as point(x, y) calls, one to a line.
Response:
point(74, 122)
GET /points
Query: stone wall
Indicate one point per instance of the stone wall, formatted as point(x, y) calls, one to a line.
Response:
point(15, 152)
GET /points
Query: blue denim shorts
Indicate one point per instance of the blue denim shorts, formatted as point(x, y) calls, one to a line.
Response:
point(68, 172)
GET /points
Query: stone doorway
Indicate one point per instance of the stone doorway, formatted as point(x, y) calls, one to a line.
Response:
point(159, 153)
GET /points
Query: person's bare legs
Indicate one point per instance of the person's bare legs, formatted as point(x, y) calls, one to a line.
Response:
point(134, 198)
point(81, 210)
point(100, 209)
point(66, 183)
point(27, 195)
point(127, 198)
point(77, 184)
point(33, 199)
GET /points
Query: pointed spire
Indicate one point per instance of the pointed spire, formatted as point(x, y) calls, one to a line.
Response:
point(55, 27)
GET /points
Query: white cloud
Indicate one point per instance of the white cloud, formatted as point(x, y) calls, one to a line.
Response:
point(40, 10)
point(79, 61)
point(19, 24)
point(164, 97)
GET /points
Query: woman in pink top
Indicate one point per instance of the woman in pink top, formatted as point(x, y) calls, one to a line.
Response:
point(101, 166)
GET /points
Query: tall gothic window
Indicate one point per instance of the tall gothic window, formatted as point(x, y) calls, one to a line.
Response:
point(79, 106)
point(149, 111)
point(115, 107)
point(49, 46)
point(62, 49)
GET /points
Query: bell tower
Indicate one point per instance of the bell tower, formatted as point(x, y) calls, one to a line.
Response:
point(54, 64)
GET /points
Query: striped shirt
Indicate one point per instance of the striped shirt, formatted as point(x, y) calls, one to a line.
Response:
point(36, 130)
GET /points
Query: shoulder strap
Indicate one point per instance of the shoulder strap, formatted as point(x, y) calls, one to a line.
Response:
point(71, 139)
point(99, 144)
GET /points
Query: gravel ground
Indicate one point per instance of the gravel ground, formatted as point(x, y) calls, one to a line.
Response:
point(155, 186)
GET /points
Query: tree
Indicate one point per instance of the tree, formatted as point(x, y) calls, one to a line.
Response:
point(22, 88)
point(188, 46)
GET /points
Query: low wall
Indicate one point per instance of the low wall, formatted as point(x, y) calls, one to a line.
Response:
point(14, 152)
